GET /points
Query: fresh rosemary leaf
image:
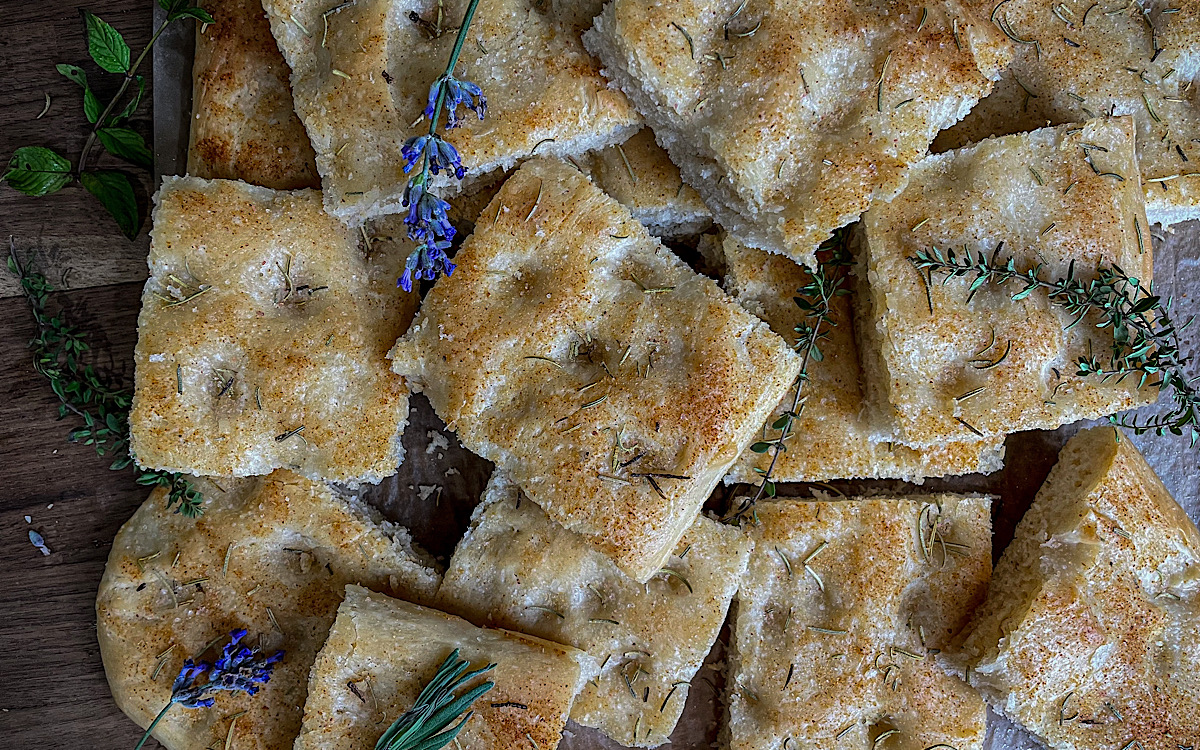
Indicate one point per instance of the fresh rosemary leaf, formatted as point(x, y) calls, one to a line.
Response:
point(106, 45)
point(37, 171)
point(116, 195)
point(126, 144)
point(421, 727)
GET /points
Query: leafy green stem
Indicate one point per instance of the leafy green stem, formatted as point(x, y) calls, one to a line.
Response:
point(459, 40)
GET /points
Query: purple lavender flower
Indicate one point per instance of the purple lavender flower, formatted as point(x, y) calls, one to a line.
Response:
point(239, 669)
point(426, 213)
point(441, 155)
point(458, 93)
point(426, 262)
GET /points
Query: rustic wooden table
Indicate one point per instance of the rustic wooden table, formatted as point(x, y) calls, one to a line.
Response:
point(53, 693)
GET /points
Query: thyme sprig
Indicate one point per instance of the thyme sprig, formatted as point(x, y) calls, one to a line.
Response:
point(58, 352)
point(827, 281)
point(37, 171)
point(1145, 341)
point(421, 727)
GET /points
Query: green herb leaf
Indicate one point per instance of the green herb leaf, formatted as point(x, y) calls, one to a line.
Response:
point(420, 727)
point(106, 45)
point(37, 171)
point(126, 144)
point(116, 195)
point(761, 446)
point(196, 12)
point(133, 103)
point(91, 105)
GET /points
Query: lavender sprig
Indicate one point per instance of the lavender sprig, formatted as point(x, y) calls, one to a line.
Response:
point(427, 222)
point(239, 670)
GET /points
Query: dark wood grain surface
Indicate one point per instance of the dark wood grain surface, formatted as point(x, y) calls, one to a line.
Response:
point(53, 693)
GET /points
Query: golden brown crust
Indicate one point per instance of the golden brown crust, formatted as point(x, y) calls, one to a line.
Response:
point(1089, 635)
point(839, 616)
point(516, 568)
point(834, 431)
point(389, 649)
point(544, 93)
point(243, 125)
point(1103, 66)
point(1055, 197)
point(292, 331)
point(776, 115)
point(271, 555)
point(569, 342)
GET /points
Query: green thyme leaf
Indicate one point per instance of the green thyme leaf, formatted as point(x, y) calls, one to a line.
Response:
point(116, 195)
point(106, 45)
point(761, 446)
point(37, 171)
point(126, 144)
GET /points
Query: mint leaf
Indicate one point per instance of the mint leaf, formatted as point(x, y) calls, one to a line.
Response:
point(106, 45)
point(91, 105)
point(196, 12)
point(133, 104)
point(127, 144)
point(116, 195)
point(37, 171)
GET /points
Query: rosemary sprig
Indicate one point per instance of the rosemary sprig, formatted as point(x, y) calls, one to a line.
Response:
point(37, 171)
point(826, 282)
point(420, 727)
point(1145, 342)
point(58, 349)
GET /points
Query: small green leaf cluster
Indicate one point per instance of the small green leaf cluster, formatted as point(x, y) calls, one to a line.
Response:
point(39, 171)
point(1145, 341)
point(437, 706)
point(58, 352)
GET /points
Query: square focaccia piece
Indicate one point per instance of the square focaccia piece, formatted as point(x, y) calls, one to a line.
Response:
point(382, 652)
point(271, 555)
point(361, 77)
point(640, 175)
point(518, 569)
point(244, 126)
point(840, 615)
point(1140, 58)
point(615, 385)
point(943, 363)
point(791, 118)
point(835, 435)
point(263, 336)
point(1090, 635)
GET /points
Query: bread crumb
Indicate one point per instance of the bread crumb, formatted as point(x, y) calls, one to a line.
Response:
point(437, 442)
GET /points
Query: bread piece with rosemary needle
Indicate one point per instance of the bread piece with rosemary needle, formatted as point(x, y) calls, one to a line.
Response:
point(941, 364)
point(382, 652)
point(361, 73)
point(833, 434)
point(838, 619)
point(243, 124)
point(1090, 634)
point(640, 175)
point(518, 569)
point(614, 384)
point(263, 335)
point(272, 555)
point(1083, 59)
point(790, 119)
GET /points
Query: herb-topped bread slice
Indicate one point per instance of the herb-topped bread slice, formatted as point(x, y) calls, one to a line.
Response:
point(361, 76)
point(517, 569)
point(271, 555)
point(1090, 635)
point(1082, 60)
point(833, 436)
point(640, 175)
point(262, 338)
point(611, 382)
point(382, 652)
point(943, 362)
point(840, 615)
point(244, 125)
point(789, 118)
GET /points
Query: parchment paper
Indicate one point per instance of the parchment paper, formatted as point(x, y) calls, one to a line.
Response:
point(451, 478)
